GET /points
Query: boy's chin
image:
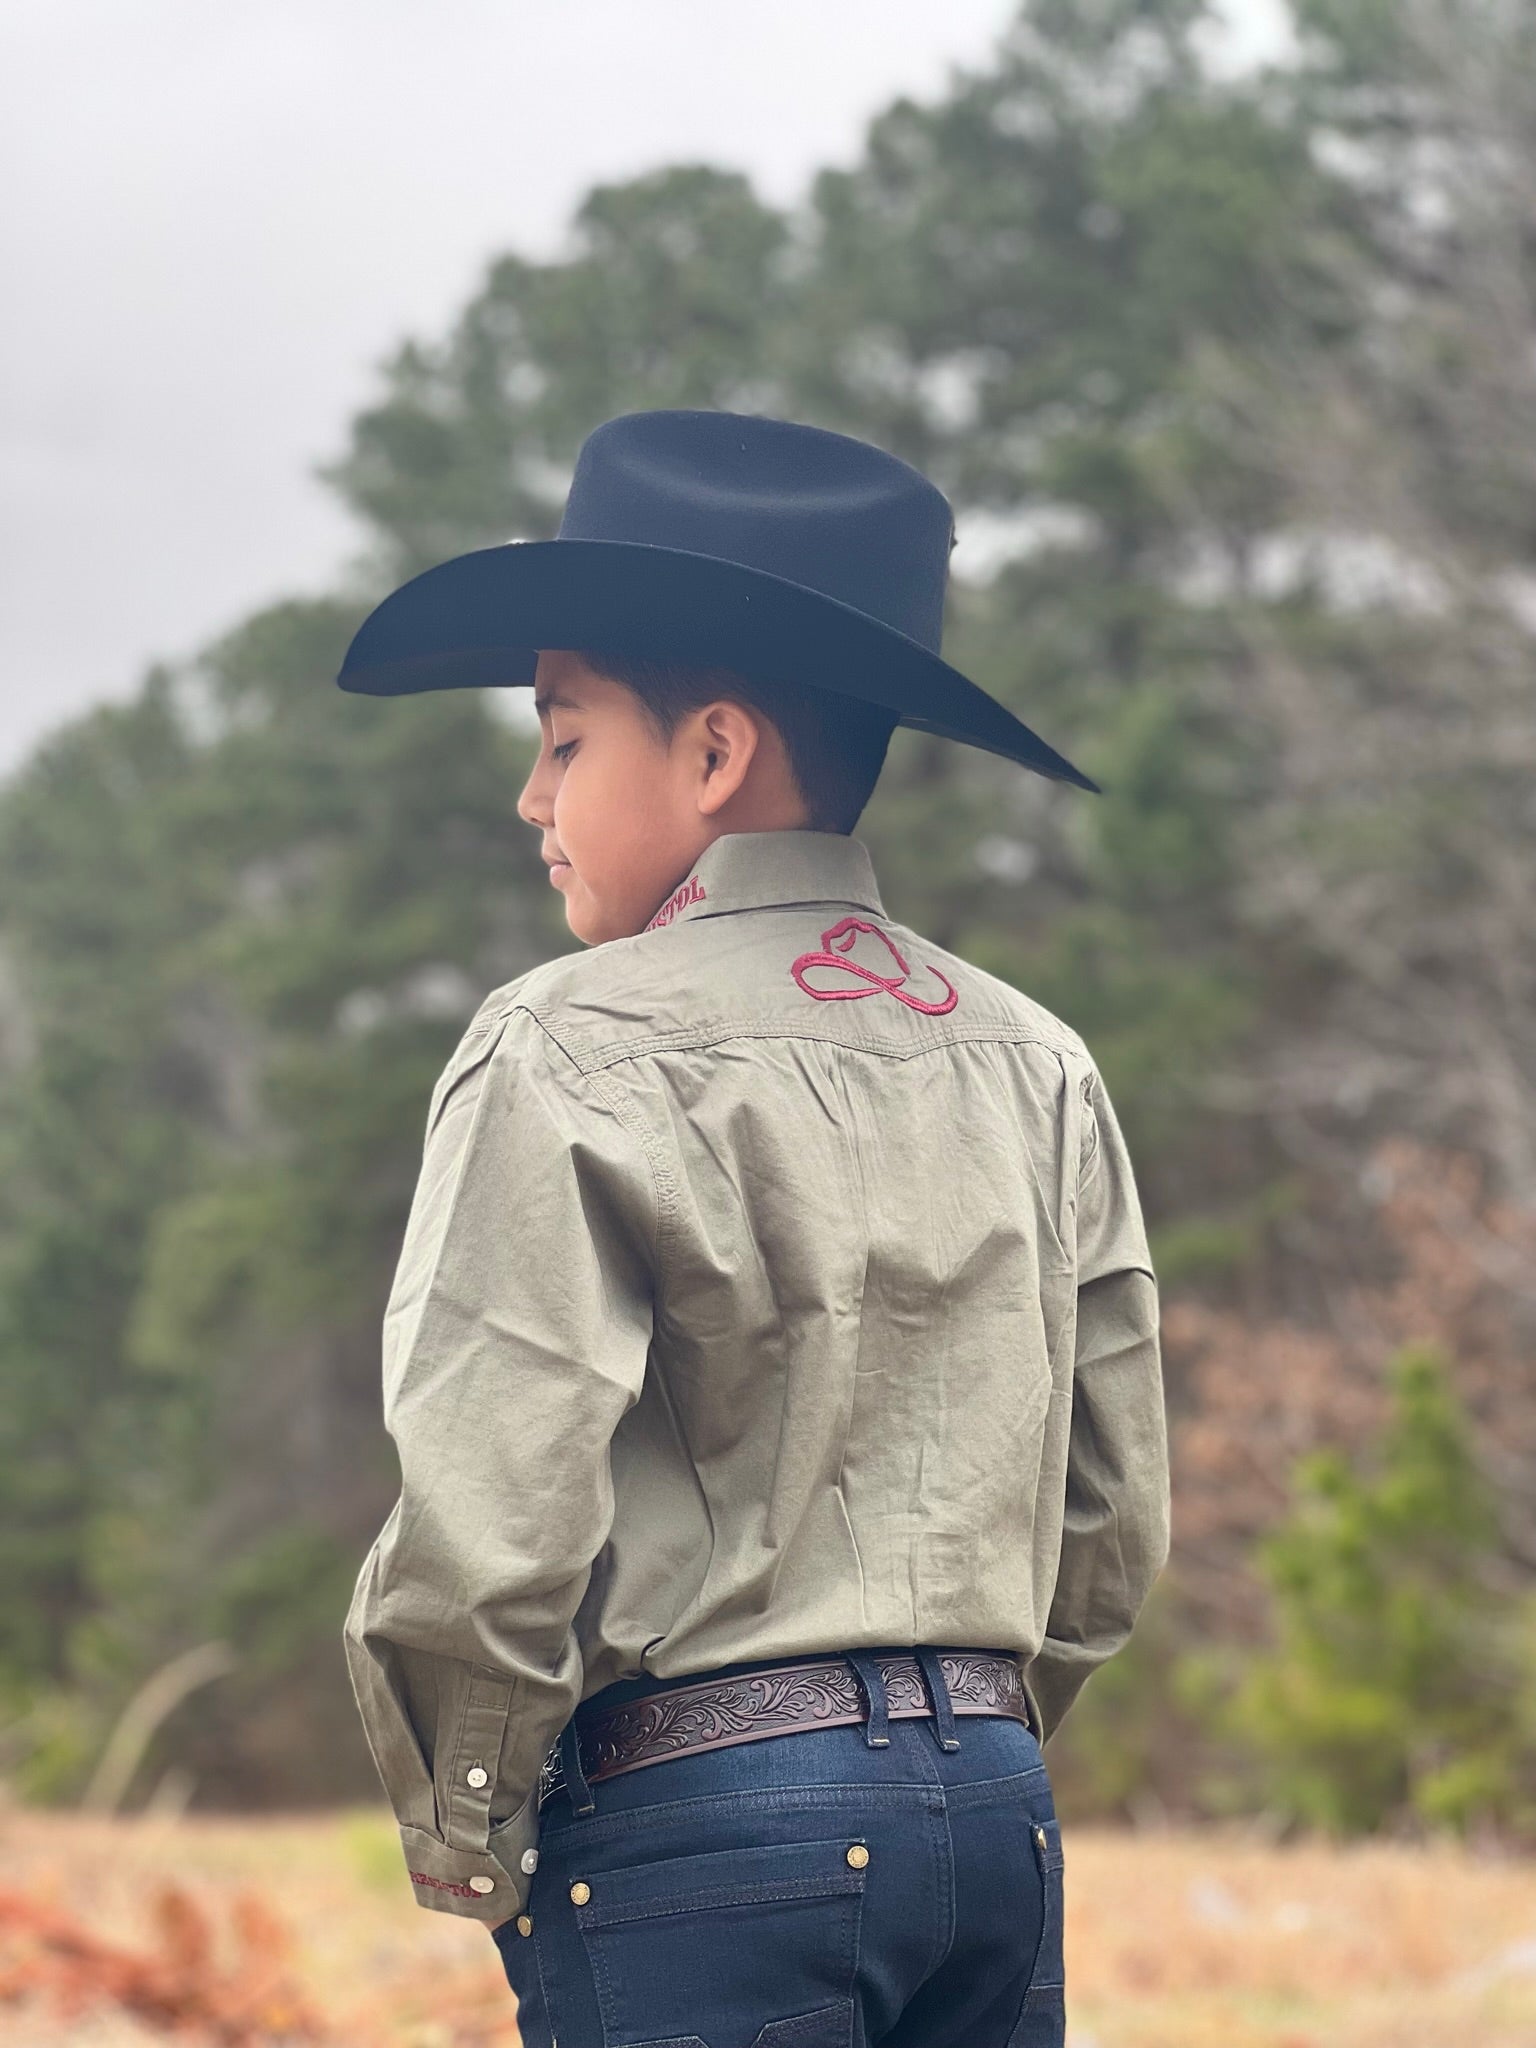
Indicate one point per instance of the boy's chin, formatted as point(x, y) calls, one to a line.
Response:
point(594, 922)
point(588, 924)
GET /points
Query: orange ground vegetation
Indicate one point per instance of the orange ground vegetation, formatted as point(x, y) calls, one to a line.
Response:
point(233, 1933)
point(282, 1932)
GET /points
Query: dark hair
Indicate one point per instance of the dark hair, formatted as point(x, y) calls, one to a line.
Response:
point(836, 744)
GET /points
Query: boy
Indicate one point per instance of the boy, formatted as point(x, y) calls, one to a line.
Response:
point(773, 1350)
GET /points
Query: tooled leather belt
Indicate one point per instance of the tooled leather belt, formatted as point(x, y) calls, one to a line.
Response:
point(786, 1699)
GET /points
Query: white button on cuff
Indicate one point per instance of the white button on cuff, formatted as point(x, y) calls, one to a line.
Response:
point(482, 1884)
point(477, 1777)
point(530, 1861)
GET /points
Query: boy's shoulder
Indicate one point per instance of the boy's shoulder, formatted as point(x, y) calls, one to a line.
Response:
point(521, 992)
point(991, 1004)
point(570, 982)
point(563, 991)
point(593, 1000)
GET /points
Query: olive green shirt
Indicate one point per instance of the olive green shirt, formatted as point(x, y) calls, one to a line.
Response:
point(775, 1283)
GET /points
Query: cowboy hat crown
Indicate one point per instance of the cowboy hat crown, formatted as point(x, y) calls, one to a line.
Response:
point(780, 550)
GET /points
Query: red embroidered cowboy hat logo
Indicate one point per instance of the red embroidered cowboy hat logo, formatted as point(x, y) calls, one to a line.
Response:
point(842, 937)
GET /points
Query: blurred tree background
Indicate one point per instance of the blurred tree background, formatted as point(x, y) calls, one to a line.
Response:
point(1231, 381)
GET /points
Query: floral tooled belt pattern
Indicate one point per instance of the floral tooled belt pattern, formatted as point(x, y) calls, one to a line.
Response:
point(719, 1712)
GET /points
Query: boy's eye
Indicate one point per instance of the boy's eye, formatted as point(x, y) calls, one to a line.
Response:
point(559, 753)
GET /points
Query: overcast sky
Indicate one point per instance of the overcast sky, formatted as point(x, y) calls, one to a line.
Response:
point(219, 219)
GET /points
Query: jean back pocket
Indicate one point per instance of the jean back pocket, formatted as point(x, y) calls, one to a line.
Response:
point(732, 1948)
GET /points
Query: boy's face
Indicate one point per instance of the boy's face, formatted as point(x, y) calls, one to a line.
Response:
point(626, 816)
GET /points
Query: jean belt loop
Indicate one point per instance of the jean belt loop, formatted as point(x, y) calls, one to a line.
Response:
point(938, 1695)
point(576, 1784)
point(877, 1732)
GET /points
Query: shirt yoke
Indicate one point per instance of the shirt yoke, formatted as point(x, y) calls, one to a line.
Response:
point(730, 977)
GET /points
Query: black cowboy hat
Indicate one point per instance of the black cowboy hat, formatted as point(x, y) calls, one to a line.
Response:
point(779, 550)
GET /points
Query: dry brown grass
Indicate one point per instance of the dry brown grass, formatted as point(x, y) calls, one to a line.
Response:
point(254, 1933)
point(1213, 1938)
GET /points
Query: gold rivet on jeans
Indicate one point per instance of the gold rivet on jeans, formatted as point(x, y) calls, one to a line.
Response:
point(524, 1924)
point(580, 1893)
point(858, 1856)
point(1040, 1834)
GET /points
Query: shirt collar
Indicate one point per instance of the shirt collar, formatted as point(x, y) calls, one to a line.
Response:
point(756, 870)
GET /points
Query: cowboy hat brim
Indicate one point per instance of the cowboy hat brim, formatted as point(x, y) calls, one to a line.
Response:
point(480, 619)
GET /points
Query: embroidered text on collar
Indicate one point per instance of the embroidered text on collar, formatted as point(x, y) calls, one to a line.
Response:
point(691, 891)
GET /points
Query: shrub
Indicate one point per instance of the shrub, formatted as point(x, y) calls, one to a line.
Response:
point(1400, 1691)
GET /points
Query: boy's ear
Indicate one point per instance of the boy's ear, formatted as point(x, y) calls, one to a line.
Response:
point(742, 717)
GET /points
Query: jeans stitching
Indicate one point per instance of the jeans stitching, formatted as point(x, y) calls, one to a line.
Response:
point(784, 1798)
point(944, 1857)
point(538, 1966)
point(1051, 1890)
point(765, 1892)
point(982, 1791)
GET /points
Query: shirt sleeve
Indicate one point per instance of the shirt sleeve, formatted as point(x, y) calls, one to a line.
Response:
point(515, 1337)
point(1115, 1526)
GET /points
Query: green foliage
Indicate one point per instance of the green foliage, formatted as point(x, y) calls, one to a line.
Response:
point(1216, 1243)
point(245, 915)
point(1401, 1684)
point(664, 300)
point(275, 1600)
point(248, 921)
point(1128, 1723)
point(372, 1844)
point(53, 1744)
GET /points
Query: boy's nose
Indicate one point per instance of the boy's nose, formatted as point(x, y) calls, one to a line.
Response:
point(529, 808)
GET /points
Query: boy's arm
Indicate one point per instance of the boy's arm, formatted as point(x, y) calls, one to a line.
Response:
point(515, 1337)
point(1115, 1528)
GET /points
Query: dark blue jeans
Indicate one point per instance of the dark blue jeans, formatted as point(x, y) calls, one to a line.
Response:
point(711, 1901)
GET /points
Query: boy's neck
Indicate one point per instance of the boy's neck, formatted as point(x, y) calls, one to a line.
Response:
point(753, 870)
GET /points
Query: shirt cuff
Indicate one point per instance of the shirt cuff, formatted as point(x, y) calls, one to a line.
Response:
point(490, 1884)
